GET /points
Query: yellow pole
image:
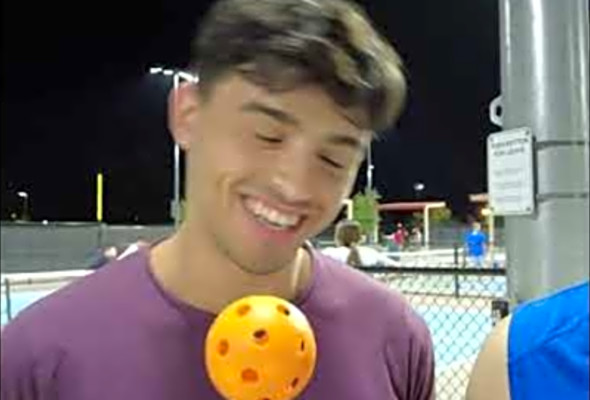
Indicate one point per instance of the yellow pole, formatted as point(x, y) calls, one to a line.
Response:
point(349, 208)
point(99, 196)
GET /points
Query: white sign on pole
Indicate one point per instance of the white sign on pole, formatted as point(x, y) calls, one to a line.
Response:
point(511, 186)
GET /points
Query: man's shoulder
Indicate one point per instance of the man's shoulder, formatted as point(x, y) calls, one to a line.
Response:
point(356, 292)
point(71, 308)
point(64, 327)
point(556, 316)
point(547, 336)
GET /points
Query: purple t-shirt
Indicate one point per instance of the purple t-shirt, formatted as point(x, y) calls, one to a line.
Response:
point(117, 335)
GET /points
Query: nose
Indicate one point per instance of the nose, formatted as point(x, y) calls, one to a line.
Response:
point(291, 178)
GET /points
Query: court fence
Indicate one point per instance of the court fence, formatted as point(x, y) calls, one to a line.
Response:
point(460, 307)
point(59, 246)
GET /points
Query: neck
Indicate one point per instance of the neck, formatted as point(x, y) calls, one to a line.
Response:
point(202, 277)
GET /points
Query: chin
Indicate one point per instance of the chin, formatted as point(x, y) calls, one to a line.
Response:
point(264, 263)
point(259, 270)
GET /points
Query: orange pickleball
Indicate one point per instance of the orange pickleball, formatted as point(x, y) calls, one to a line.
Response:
point(260, 348)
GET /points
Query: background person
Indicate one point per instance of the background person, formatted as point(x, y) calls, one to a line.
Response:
point(538, 352)
point(349, 249)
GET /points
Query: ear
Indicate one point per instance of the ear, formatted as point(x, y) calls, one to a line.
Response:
point(183, 107)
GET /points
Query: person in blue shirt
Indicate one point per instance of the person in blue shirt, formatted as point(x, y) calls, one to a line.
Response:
point(475, 244)
point(539, 352)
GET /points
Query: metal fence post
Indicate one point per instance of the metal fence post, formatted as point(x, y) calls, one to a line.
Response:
point(8, 299)
point(456, 262)
point(500, 309)
point(100, 236)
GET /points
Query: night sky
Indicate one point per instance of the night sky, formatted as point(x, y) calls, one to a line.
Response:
point(77, 99)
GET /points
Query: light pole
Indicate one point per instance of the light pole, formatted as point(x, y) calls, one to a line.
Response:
point(25, 212)
point(176, 76)
point(370, 168)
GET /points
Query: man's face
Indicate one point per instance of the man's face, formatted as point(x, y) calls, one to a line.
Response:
point(266, 171)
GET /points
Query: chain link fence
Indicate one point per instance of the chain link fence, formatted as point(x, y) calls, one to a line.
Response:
point(458, 305)
point(36, 247)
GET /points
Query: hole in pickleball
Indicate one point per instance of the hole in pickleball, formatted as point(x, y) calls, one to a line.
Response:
point(283, 310)
point(244, 309)
point(223, 347)
point(249, 375)
point(261, 336)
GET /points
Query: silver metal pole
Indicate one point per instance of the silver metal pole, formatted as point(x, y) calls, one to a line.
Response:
point(176, 207)
point(544, 70)
point(370, 167)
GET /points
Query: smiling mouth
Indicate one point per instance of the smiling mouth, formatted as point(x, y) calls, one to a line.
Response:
point(271, 217)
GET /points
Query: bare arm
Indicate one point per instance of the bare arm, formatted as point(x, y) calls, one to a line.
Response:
point(489, 378)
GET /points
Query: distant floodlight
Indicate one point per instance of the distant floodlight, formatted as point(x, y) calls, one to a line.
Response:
point(168, 72)
point(419, 186)
point(24, 195)
point(155, 70)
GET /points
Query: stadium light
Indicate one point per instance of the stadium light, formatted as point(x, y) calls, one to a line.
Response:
point(25, 211)
point(176, 76)
point(419, 186)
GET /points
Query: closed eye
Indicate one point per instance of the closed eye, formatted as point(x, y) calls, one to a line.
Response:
point(269, 139)
point(331, 162)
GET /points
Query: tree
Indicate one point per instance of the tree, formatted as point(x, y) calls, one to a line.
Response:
point(365, 207)
point(440, 215)
point(418, 219)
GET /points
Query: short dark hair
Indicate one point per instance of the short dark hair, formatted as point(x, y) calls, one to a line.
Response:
point(349, 234)
point(279, 44)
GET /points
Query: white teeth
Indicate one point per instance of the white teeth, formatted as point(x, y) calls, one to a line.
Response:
point(284, 221)
point(257, 208)
point(269, 215)
point(272, 216)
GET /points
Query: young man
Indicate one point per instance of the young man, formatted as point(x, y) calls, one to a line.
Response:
point(289, 94)
point(475, 242)
point(539, 352)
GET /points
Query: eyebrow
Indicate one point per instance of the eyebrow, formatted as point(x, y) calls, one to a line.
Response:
point(347, 141)
point(284, 117)
point(272, 112)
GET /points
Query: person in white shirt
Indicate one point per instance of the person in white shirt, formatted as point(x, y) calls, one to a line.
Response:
point(132, 248)
point(348, 249)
